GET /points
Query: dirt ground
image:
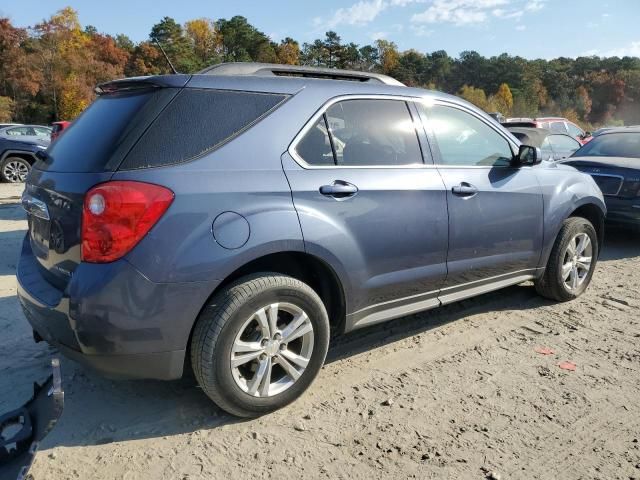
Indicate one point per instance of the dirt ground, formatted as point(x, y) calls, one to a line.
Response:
point(458, 392)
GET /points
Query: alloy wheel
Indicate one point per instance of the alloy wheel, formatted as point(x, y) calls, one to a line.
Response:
point(15, 171)
point(577, 261)
point(272, 349)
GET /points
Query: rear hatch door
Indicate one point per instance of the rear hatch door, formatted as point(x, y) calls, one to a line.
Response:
point(87, 154)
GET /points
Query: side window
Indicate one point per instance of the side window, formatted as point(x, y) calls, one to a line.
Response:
point(42, 132)
point(315, 146)
point(373, 132)
point(466, 140)
point(17, 131)
point(558, 127)
point(574, 131)
point(563, 143)
point(545, 148)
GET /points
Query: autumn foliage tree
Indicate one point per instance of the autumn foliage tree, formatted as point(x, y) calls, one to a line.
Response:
point(48, 72)
point(503, 99)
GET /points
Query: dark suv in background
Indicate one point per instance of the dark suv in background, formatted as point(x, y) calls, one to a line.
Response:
point(238, 216)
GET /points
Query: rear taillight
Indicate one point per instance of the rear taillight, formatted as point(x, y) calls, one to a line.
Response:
point(116, 215)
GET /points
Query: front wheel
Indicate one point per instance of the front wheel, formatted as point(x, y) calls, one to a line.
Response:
point(14, 169)
point(260, 343)
point(572, 261)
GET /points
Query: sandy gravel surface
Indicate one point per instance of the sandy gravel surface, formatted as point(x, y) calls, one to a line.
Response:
point(459, 392)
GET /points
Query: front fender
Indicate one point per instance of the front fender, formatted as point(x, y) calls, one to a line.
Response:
point(564, 190)
point(14, 151)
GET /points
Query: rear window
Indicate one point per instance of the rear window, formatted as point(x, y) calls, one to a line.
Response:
point(100, 138)
point(196, 122)
point(558, 127)
point(612, 145)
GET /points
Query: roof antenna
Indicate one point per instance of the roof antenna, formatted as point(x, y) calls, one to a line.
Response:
point(173, 69)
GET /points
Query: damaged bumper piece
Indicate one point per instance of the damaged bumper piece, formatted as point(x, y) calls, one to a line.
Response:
point(22, 430)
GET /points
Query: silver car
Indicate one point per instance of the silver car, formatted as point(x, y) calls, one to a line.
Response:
point(32, 133)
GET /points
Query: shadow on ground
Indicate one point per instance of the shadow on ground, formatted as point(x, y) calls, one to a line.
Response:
point(100, 411)
point(12, 211)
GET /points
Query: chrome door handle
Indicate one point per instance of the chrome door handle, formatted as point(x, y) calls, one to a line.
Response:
point(464, 190)
point(339, 189)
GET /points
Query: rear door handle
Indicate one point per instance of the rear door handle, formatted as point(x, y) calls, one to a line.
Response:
point(339, 189)
point(464, 190)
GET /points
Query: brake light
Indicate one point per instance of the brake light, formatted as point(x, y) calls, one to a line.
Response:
point(117, 215)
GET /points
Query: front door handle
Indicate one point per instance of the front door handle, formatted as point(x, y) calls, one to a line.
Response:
point(465, 190)
point(339, 189)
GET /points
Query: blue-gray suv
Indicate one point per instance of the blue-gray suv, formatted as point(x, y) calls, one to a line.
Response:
point(230, 221)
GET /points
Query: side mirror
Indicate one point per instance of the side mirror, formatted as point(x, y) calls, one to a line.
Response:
point(528, 155)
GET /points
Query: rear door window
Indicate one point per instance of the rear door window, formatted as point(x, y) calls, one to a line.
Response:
point(371, 132)
point(315, 146)
point(41, 131)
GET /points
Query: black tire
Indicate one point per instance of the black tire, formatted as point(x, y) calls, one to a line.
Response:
point(11, 174)
point(220, 322)
point(551, 285)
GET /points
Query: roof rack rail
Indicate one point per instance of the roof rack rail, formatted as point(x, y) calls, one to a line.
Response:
point(274, 69)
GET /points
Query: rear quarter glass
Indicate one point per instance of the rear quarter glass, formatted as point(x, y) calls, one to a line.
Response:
point(102, 136)
point(196, 122)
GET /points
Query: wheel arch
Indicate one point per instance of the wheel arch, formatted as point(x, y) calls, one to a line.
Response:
point(310, 269)
point(24, 154)
point(595, 215)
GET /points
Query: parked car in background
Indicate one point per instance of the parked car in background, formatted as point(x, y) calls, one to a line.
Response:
point(554, 146)
point(241, 244)
point(602, 130)
point(17, 158)
point(28, 133)
point(498, 117)
point(612, 158)
point(555, 124)
point(58, 127)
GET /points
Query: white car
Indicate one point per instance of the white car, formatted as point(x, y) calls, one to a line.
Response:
point(30, 133)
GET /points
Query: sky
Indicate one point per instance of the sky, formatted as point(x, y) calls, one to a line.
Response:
point(529, 28)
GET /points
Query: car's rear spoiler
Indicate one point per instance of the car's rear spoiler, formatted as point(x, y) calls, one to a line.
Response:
point(134, 83)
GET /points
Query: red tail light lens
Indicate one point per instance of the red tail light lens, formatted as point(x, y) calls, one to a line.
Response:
point(116, 215)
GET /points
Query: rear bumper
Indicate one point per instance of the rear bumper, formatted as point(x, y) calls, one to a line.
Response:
point(623, 210)
point(111, 318)
point(159, 366)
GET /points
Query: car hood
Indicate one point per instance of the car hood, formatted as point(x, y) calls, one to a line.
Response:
point(622, 162)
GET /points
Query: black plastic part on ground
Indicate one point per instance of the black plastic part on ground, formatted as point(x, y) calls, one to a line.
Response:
point(22, 430)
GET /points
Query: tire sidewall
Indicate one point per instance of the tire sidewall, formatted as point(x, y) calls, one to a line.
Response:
point(317, 314)
point(583, 227)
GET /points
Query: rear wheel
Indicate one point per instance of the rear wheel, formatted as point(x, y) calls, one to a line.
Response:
point(260, 343)
point(572, 261)
point(14, 169)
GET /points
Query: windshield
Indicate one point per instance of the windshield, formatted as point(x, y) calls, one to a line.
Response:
point(623, 144)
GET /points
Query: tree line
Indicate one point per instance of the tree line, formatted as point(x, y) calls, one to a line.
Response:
point(48, 72)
